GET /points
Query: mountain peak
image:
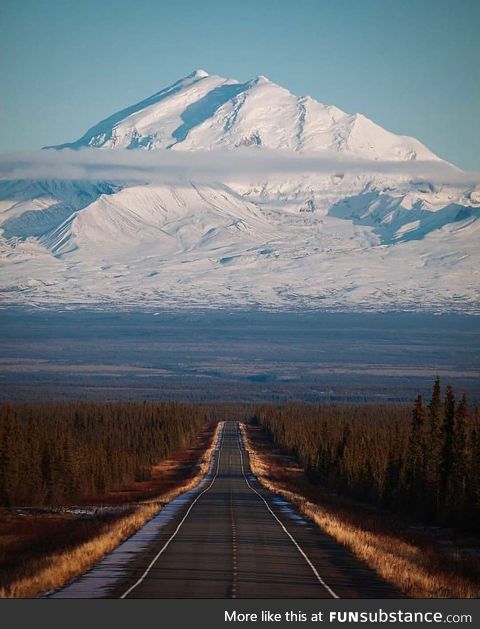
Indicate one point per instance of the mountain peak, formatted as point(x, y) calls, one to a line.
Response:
point(203, 111)
point(197, 74)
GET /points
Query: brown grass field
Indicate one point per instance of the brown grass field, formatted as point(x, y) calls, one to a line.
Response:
point(416, 563)
point(42, 551)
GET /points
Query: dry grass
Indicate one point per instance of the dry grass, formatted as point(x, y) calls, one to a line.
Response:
point(53, 570)
point(412, 568)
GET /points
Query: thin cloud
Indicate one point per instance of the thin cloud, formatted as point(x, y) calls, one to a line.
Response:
point(121, 165)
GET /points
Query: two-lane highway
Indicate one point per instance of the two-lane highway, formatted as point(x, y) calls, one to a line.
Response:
point(235, 539)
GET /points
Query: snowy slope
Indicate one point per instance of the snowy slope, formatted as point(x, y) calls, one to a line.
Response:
point(338, 240)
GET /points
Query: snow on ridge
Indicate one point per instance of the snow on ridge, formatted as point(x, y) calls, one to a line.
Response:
point(314, 244)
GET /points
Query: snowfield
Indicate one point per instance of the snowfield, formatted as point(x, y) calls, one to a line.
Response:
point(345, 240)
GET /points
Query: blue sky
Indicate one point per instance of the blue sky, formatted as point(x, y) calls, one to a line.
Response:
point(413, 66)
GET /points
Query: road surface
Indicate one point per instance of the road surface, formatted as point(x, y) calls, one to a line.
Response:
point(235, 539)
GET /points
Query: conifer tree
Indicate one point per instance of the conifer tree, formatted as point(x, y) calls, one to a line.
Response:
point(11, 464)
point(459, 457)
point(434, 451)
point(446, 463)
point(472, 489)
point(414, 474)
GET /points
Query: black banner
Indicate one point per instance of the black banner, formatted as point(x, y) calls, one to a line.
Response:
point(221, 614)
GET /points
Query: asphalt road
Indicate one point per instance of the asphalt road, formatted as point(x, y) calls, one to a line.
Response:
point(235, 539)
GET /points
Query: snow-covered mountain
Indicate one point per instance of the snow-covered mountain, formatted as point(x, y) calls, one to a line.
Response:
point(202, 112)
point(338, 238)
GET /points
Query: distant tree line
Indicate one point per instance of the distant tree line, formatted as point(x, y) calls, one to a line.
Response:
point(423, 462)
point(58, 453)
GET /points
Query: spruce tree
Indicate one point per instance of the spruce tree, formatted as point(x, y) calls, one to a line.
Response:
point(12, 457)
point(472, 499)
point(446, 463)
point(414, 473)
point(434, 451)
point(459, 458)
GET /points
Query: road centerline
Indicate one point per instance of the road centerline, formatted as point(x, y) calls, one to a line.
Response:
point(234, 549)
point(286, 531)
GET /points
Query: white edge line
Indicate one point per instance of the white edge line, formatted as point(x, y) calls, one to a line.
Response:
point(165, 546)
point(299, 548)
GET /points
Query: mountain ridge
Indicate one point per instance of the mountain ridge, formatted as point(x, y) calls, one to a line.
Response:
point(203, 111)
